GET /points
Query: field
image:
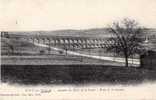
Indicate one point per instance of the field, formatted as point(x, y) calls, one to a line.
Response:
point(21, 52)
point(53, 60)
point(25, 63)
point(13, 46)
point(75, 74)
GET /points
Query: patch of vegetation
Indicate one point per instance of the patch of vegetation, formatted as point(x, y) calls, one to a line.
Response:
point(75, 74)
point(11, 46)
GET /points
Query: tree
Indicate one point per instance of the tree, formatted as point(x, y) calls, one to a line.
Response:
point(126, 38)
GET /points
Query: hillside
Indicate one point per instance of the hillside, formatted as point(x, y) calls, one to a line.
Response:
point(10, 46)
point(88, 32)
point(95, 32)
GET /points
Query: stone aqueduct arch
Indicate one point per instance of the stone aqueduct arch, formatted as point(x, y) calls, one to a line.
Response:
point(70, 42)
point(75, 42)
point(4, 33)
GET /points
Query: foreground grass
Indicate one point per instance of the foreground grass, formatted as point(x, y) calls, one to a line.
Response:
point(74, 74)
point(54, 59)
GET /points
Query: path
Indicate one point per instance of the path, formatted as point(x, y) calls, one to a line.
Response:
point(117, 59)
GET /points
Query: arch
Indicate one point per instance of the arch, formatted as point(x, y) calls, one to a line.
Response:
point(79, 41)
point(56, 41)
point(103, 45)
point(66, 41)
point(84, 46)
point(75, 41)
point(96, 41)
point(87, 41)
point(75, 46)
point(70, 41)
point(97, 45)
point(61, 41)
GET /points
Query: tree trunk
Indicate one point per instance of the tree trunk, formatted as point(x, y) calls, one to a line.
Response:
point(126, 61)
point(126, 58)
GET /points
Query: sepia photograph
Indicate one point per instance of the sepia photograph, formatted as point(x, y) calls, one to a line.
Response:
point(101, 45)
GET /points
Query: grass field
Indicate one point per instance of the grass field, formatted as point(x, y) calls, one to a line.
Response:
point(26, 53)
point(28, 66)
point(19, 47)
point(54, 60)
point(75, 74)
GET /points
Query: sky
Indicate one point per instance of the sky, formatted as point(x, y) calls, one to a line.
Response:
point(23, 15)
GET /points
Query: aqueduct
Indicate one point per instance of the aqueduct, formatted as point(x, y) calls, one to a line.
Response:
point(70, 42)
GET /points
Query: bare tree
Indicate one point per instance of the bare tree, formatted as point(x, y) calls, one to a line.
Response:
point(126, 38)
